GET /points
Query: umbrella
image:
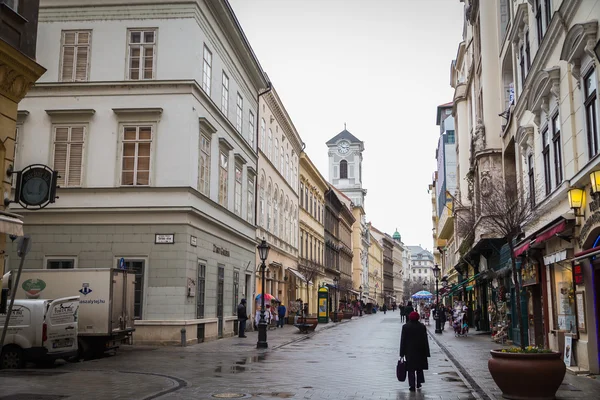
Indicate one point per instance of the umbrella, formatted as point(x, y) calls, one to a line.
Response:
point(423, 294)
point(268, 297)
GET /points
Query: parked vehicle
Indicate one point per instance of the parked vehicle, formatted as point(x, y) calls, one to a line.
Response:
point(41, 331)
point(106, 304)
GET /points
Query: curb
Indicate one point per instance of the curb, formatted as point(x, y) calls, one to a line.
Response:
point(477, 390)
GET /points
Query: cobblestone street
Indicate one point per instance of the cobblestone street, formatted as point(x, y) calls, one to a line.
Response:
point(351, 360)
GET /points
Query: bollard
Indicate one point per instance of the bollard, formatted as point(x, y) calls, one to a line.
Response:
point(183, 338)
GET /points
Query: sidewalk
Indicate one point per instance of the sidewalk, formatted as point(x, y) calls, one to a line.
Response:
point(471, 355)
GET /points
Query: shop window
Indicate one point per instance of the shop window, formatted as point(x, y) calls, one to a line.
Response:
point(563, 296)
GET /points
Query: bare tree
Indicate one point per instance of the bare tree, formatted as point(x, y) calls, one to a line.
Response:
point(310, 270)
point(503, 212)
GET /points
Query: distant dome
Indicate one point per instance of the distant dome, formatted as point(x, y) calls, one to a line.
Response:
point(397, 236)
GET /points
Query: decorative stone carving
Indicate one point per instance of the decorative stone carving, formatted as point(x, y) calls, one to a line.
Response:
point(17, 72)
point(525, 138)
point(580, 40)
point(544, 83)
point(479, 137)
point(485, 183)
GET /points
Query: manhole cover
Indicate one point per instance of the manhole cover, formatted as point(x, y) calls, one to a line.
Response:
point(29, 396)
point(230, 395)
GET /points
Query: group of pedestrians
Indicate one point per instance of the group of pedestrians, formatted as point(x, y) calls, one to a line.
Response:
point(271, 314)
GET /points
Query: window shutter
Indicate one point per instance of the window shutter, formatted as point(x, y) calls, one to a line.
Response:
point(75, 156)
point(60, 153)
point(67, 63)
point(81, 64)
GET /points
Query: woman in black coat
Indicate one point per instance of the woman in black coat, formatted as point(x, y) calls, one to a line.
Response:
point(414, 346)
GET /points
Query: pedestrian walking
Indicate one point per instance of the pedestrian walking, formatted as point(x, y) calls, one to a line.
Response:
point(414, 346)
point(442, 316)
point(401, 308)
point(384, 308)
point(242, 318)
point(281, 311)
point(408, 309)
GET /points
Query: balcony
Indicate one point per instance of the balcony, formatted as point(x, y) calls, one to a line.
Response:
point(445, 226)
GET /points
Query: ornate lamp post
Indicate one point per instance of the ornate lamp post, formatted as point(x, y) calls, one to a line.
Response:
point(336, 280)
point(436, 274)
point(263, 253)
point(445, 282)
point(360, 300)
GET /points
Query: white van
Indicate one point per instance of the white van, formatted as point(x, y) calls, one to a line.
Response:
point(41, 331)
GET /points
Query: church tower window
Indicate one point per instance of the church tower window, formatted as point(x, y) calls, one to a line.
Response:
point(343, 169)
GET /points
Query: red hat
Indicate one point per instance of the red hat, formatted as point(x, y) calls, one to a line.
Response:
point(413, 316)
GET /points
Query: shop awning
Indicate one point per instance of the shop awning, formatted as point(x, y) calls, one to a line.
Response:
point(522, 248)
point(10, 224)
point(299, 275)
point(540, 237)
point(354, 291)
point(587, 253)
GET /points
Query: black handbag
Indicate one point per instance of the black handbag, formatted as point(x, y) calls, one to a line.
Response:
point(401, 370)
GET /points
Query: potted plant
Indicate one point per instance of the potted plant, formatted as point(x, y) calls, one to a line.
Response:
point(522, 372)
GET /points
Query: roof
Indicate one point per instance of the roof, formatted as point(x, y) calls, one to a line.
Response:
point(344, 135)
point(439, 111)
point(416, 250)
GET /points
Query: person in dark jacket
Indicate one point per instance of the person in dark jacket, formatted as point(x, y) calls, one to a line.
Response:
point(242, 318)
point(281, 313)
point(414, 346)
point(401, 308)
point(408, 309)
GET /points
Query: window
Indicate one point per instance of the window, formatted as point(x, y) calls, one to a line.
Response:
point(236, 291)
point(142, 46)
point(546, 156)
point(250, 202)
point(60, 263)
point(450, 137)
point(223, 181)
point(201, 288)
point(207, 70)
point(270, 145)
point(287, 167)
point(75, 56)
point(301, 196)
point(281, 166)
point(68, 154)
point(591, 106)
point(522, 65)
point(225, 94)
point(137, 142)
point(548, 4)
point(262, 202)
point(263, 131)
point(276, 153)
point(137, 267)
point(343, 169)
point(237, 204)
point(528, 51)
point(239, 116)
point(301, 243)
point(531, 180)
point(204, 166)
point(556, 144)
point(275, 215)
point(310, 204)
point(251, 128)
point(538, 20)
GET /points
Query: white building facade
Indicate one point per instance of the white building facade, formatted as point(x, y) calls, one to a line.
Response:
point(157, 157)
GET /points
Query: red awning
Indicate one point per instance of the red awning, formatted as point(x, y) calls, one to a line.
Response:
point(550, 232)
point(522, 248)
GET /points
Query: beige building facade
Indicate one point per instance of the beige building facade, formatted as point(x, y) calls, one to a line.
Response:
point(375, 271)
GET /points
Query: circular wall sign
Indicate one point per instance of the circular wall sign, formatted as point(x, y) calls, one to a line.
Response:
point(36, 186)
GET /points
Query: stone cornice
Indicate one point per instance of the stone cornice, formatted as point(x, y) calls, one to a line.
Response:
point(17, 72)
point(580, 40)
point(284, 120)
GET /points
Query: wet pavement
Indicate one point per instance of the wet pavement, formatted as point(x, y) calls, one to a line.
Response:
point(355, 359)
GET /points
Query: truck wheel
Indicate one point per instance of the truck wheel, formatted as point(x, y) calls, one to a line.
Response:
point(12, 357)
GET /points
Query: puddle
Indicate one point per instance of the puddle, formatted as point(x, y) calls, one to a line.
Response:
point(278, 395)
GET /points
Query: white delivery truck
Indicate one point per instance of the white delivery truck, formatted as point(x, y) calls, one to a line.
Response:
point(106, 302)
point(41, 331)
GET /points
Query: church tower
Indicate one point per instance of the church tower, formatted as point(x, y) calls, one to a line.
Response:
point(345, 166)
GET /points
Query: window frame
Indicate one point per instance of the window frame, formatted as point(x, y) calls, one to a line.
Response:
point(530, 173)
point(251, 121)
point(65, 175)
point(239, 113)
point(201, 289)
point(263, 134)
point(144, 284)
point(225, 94)
point(75, 55)
point(591, 105)
point(546, 159)
point(223, 197)
point(237, 189)
point(344, 171)
point(154, 53)
point(251, 189)
point(206, 66)
point(557, 148)
point(207, 156)
point(122, 142)
point(48, 259)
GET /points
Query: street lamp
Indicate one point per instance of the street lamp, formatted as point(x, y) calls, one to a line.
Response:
point(360, 300)
point(335, 305)
point(263, 253)
point(436, 274)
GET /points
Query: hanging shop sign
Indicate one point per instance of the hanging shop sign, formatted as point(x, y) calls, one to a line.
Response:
point(578, 274)
point(36, 186)
point(529, 274)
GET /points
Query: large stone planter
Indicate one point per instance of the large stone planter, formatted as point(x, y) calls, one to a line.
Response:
point(527, 376)
point(313, 322)
point(348, 314)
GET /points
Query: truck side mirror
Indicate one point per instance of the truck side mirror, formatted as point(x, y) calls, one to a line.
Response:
point(4, 301)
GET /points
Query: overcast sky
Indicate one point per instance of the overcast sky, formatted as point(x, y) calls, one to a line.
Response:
point(380, 66)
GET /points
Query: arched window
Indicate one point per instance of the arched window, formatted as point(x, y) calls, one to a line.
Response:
point(276, 157)
point(269, 204)
point(343, 169)
point(281, 167)
point(270, 144)
point(263, 132)
point(275, 215)
point(281, 221)
point(287, 168)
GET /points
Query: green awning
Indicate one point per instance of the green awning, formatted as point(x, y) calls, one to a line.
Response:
point(466, 281)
